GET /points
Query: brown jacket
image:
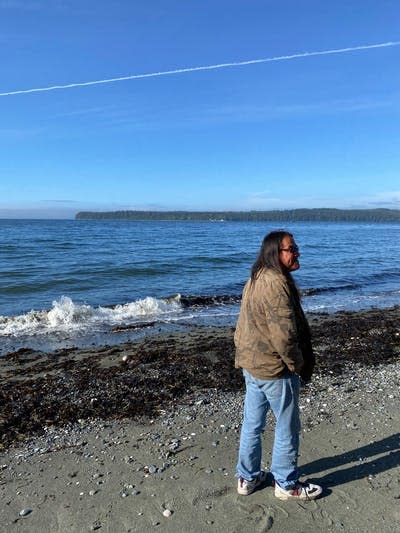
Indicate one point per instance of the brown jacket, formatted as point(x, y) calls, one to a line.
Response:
point(272, 333)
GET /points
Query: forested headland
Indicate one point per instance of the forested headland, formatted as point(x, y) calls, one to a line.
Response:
point(289, 215)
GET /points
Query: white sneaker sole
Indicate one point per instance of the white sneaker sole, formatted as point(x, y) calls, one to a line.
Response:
point(281, 494)
point(247, 491)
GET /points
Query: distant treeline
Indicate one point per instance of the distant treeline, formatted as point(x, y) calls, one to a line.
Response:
point(290, 215)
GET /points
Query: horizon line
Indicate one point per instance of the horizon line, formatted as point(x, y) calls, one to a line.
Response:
point(226, 211)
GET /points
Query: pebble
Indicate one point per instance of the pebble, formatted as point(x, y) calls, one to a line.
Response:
point(25, 512)
point(167, 513)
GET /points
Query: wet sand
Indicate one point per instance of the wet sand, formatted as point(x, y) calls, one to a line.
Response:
point(110, 438)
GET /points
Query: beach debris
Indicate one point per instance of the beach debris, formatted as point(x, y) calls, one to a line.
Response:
point(25, 512)
point(152, 469)
point(174, 444)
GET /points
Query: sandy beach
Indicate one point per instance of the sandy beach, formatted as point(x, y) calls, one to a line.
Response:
point(143, 436)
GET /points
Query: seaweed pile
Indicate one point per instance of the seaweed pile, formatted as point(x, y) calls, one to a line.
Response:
point(131, 380)
point(346, 339)
point(142, 378)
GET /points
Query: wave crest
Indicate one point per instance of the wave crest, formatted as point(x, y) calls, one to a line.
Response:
point(66, 316)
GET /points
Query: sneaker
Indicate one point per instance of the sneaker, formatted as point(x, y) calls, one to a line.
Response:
point(247, 487)
point(300, 491)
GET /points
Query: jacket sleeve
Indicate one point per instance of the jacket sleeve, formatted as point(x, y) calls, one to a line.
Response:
point(280, 316)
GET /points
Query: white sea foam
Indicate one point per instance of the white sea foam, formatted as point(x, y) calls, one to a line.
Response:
point(65, 316)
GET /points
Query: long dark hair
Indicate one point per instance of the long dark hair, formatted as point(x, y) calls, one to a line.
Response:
point(268, 257)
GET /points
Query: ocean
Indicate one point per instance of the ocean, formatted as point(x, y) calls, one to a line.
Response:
point(67, 283)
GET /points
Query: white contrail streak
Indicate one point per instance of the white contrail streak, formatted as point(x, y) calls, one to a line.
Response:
point(207, 67)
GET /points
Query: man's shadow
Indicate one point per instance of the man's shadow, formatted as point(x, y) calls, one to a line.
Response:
point(389, 447)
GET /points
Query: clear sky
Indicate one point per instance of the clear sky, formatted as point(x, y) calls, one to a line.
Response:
point(311, 131)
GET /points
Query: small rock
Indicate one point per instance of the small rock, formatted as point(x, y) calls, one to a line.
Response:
point(25, 512)
point(167, 513)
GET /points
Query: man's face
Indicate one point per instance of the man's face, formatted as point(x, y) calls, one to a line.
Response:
point(289, 254)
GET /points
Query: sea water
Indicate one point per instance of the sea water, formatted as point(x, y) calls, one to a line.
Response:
point(75, 283)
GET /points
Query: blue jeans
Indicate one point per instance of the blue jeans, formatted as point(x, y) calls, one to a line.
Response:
point(282, 395)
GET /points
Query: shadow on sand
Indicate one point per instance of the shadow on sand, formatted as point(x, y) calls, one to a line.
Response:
point(371, 459)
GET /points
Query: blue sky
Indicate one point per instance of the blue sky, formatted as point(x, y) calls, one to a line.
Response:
point(312, 131)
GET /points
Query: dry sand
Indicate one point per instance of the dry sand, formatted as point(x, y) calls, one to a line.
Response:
point(79, 455)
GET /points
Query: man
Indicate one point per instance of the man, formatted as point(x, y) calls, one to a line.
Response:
point(273, 348)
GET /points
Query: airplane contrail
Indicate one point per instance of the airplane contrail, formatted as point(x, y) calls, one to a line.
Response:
point(206, 67)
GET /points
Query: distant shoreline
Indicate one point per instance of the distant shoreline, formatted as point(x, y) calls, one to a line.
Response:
point(289, 215)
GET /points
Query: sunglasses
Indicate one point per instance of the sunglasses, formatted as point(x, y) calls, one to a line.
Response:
point(291, 249)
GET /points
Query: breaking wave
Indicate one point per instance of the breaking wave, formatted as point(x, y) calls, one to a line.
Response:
point(67, 316)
